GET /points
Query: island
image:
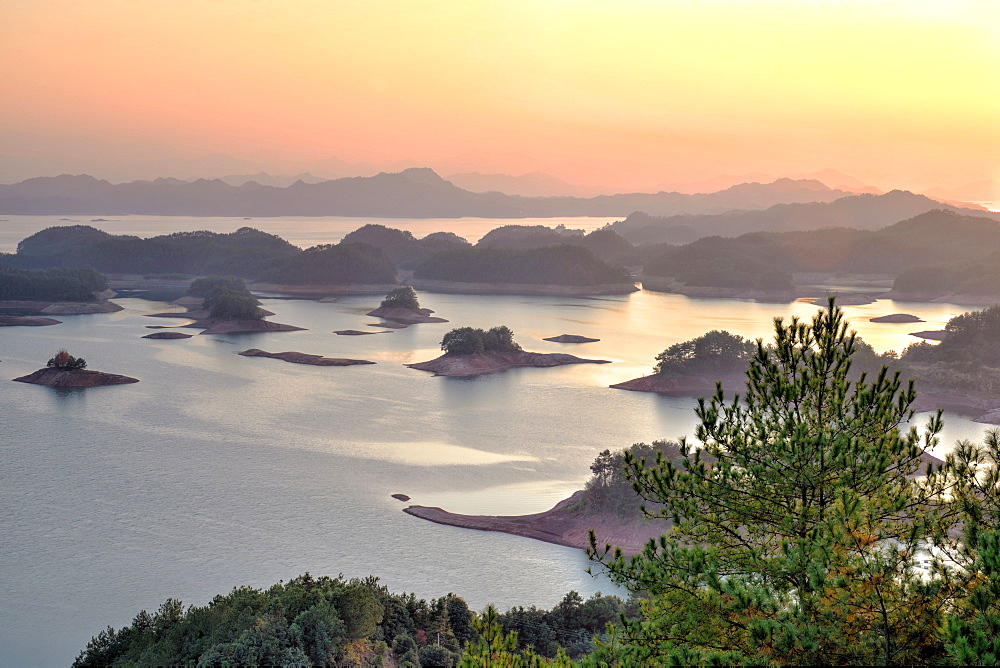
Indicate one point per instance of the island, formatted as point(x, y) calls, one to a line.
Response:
point(402, 307)
point(571, 338)
point(357, 332)
point(167, 335)
point(64, 370)
point(896, 317)
point(303, 358)
point(474, 352)
point(26, 321)
point(223, 305)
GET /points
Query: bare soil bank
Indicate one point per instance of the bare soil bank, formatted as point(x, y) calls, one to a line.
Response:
point(492, 362)
point(405, 316)
point(704, 384)
point(78, 378)
point(57, 308)
point(303, 358)
point(560, 525)
point(455, 287)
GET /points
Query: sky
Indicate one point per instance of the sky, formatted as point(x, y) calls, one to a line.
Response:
point(629, 94)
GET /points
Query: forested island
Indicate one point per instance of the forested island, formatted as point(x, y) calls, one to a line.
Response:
point(224, 305)
point(367, 260)
point(470, 351)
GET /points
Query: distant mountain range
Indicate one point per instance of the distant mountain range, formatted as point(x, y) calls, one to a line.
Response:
point(861, 212)
point(411, 193)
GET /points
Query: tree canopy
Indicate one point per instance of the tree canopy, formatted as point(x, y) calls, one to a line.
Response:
point(797, 523)
point(404, 297)
point(473, 341)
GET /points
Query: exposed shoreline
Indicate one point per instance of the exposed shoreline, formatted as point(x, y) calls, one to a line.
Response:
point(559, 525)
point(462, 288)
point(492, 362)
point(77, 378)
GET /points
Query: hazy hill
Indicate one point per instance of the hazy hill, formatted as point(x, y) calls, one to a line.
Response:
point(412, 193)
point(862, 212)
point(766, 260)
point(535, 184)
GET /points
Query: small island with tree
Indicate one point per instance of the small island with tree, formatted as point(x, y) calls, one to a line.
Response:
point(402, 307)
point(65, 370)
point(225, 307)
point(469, 351)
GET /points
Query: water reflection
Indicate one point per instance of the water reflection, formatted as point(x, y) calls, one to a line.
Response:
point(218, 470)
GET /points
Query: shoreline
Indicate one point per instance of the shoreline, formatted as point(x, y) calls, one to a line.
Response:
point(559, 525)
point(464, 366)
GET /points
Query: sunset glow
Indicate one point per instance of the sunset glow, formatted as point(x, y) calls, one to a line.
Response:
point(624, 93)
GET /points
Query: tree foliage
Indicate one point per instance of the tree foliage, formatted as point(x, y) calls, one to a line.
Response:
point(203, 287)
point(404, 297)
point(78, 285)
point(797, 524)
point(550, 265)
point(229, 304)
point(63, 361)
point(715, 352)
point(473, 341)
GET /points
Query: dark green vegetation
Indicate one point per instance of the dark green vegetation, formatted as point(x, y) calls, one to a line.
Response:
point(800, 531)
point(609, 489)
point(245, 252)
point(549, 265)
point(978, 277)
point(226, 298)
point(203, 287)
point(604, 243)
point(966, 360)
point(321, 621)
point(474, 341)
point(767, 260)
point(404, 297)
point(714, 352)
point(340, 264)
point(401, 246)
point(66, 362)
point(721, 263)
point(719, 353)
point(76, 285)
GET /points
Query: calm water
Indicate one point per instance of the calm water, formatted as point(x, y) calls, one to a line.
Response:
point(303, 231)
point(218, 470)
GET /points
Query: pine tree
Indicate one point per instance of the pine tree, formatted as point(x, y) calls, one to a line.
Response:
point(797, 524)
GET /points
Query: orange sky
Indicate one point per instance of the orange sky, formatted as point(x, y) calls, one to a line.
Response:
point(629, 93)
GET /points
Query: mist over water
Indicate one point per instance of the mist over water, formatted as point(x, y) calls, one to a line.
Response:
point(218, 470)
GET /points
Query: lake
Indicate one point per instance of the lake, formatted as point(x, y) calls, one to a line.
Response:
point(218, 470)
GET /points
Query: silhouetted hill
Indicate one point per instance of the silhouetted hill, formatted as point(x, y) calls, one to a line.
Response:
point(412, 193)
point(766, 260)
point(862, 212)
